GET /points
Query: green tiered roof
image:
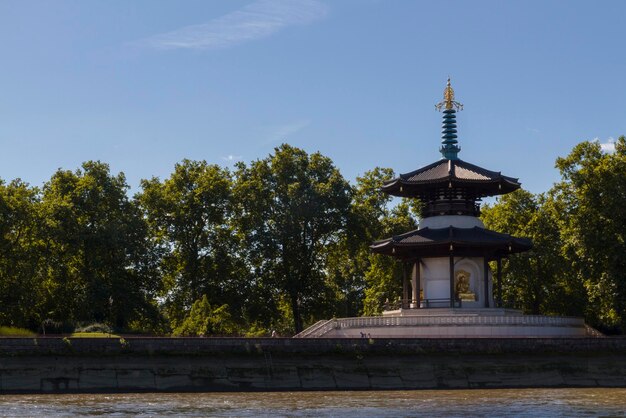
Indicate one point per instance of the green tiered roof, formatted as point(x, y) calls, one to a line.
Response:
point(447, 173)
point(450, 186)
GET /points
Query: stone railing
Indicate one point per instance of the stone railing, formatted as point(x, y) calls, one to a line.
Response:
point(321, 328)
point(314, 330)
point(592, 332)
point(450, 320)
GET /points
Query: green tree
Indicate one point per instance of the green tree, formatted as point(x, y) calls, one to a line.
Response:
point(384, 276)
point(291, 208)
point(576, 266)
point(20, 249)
point(98, 258)
point(189, 216)
point(350, 257)
point(204, 320)
point(368, 280)
point(590, 200)
point(534, 281)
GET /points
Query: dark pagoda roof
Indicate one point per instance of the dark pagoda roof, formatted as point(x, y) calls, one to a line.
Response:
point(438, 242)
point(448, 174)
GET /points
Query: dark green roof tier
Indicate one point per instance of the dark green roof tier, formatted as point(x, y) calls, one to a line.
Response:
point(468, 242)
point(450, 174)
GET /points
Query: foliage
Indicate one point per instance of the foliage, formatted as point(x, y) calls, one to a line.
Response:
point(591, 198)
point(15, 332)
point(280, 244)
point(534, 281)
point(384, 277)
point(21, 254)
point(577, 265)
point(204, 320)
point(291, 207)
point(189, 216)
point(98, 256)
point(350, 257)
point(257, 329)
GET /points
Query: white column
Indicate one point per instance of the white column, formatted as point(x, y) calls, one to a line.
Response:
point(415, 285)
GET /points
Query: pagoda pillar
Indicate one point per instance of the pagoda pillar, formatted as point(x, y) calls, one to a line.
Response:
point(415, 284)
point(499, 282)
point(418, 280)
point(486, 280)
point(451, 277)
point(405, 287)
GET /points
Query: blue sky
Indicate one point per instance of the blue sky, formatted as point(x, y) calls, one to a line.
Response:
point(143, 84)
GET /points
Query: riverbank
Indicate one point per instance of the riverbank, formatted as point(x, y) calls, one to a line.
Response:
point(101, 365)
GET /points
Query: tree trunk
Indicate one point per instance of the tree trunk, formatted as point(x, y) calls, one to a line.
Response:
point(295, 310)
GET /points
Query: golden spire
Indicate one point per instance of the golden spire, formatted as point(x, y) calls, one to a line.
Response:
point(448, 102)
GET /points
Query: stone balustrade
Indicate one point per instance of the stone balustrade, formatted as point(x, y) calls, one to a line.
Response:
point(323, 328)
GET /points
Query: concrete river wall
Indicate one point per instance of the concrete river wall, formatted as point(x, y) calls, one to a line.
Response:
point(59, 365)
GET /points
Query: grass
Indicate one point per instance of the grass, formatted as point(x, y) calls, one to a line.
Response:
point(15, 332)
point(93, 335)
point(23, 332)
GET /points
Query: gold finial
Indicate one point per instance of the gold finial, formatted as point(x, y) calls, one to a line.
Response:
point(448, 95)
point(448, 99)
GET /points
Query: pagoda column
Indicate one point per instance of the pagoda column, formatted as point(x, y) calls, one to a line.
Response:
point(486, 280)
point(405, 286)
point(415, 284)
point(451, 276)
point(499, 282)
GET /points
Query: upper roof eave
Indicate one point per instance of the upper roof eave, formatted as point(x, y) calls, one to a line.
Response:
point(432, 176)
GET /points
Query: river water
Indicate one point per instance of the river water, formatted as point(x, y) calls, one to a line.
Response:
point(536, 403)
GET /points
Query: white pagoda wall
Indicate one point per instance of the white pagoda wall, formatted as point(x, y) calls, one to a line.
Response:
point(435, 279)
point(435, 272)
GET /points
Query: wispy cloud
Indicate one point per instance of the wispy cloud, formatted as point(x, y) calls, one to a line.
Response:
point(282, 132)
point(254, 21)
point(231, 158)
point(608, 146)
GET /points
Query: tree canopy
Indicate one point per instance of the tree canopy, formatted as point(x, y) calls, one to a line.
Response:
point(282, 242)
point(291, 207)
point(577, 266)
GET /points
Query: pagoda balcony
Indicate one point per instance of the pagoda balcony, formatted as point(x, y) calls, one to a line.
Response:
point(451, 207)
point(423, 304)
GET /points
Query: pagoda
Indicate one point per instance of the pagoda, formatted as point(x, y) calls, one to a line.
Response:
point(448, 255)
point(446, 259)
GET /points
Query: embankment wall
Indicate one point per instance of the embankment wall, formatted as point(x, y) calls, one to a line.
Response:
point(54, 365)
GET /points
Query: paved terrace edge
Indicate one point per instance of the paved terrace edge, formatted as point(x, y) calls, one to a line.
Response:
point(197, 345)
